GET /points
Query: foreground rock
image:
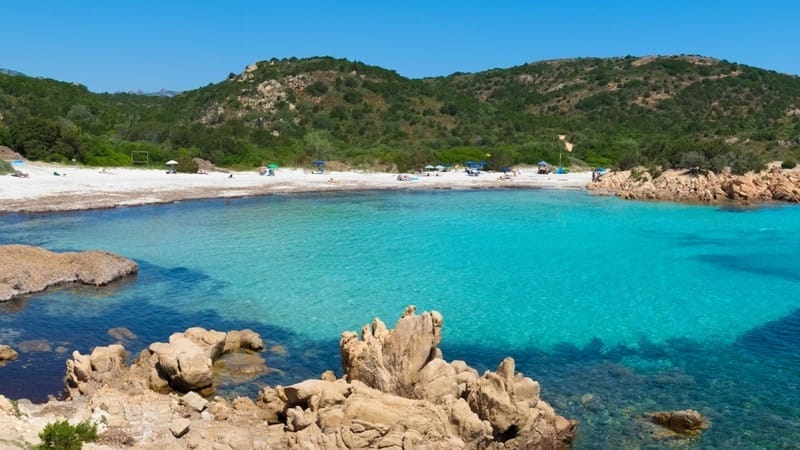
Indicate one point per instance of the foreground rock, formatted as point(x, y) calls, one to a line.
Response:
point(397, 393)
point(29, 269)
point(700, 186)
point(687, 422)
point(184, 364)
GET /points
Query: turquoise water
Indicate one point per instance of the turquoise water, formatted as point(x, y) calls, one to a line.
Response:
point(645, 306)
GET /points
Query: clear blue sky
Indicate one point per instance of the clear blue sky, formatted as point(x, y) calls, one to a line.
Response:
point(121, 45)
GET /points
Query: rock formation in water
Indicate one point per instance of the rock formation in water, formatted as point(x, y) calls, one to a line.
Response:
point(27, 269)
point(7, 354)
point(183, 364)
point(397, 393)
point(686, 422)
point(702, 186)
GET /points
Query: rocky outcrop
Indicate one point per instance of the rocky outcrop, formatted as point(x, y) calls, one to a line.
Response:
point(7, 354)
point(686, 422)
point(29, 269)
point(184, 364)
point(499, 408)
point(414, 398)
point(700, 186)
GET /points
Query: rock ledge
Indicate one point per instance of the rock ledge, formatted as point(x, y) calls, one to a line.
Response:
point(28, 270)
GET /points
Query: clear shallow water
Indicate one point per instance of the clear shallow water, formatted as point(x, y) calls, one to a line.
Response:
point(645, 306)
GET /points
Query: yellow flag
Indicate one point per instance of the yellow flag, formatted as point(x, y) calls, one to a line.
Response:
point(562, 137)
point(569, 146)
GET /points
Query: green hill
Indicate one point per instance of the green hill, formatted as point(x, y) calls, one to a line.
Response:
point(678, 111)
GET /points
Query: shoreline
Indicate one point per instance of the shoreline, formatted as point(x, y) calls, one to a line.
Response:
point(77, 188)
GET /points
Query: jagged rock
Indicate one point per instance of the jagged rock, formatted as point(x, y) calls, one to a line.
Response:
point(29, 269)
point(688, 421)
point(502, 406)
point(84, 371)
point(391, 361)
point(7, 354)
point(703, 186)
point(448, 406)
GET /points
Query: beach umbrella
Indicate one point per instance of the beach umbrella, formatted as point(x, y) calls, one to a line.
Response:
point(273, 166)
point(542, 163)
point(439, 167)
point(429, 167)
point(318, 163)
point(171, 163)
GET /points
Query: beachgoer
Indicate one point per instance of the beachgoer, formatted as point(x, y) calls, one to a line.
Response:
point(230, 176)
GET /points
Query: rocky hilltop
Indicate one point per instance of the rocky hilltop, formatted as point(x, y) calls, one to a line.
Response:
point(701, 186)
point(397, 392)
point(25, 269)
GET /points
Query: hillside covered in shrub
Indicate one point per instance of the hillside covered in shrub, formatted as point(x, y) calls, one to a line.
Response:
point(678, 111)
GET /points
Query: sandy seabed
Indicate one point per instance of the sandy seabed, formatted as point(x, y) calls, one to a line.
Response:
point(51, 187)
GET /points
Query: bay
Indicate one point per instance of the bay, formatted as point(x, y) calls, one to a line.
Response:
point(645, 306)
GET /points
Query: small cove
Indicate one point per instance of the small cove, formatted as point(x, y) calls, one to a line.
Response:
point(645, 306)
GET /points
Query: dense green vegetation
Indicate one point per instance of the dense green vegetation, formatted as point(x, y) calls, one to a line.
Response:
point(681, 111)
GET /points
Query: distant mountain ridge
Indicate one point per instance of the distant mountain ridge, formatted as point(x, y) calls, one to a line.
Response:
point(659, 111)
point(11, 72)
point(160, 93)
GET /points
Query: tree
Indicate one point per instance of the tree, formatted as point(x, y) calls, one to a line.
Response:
point(318, 144)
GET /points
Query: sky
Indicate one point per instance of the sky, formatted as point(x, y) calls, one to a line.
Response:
point(123, 45)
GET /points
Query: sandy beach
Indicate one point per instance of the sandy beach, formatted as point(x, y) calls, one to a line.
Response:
point(51, 187)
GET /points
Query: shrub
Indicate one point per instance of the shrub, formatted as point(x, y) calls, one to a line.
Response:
point(63, 436)
point(316, 88)
point(5, 167)
point(789, 163)
point(186, 165)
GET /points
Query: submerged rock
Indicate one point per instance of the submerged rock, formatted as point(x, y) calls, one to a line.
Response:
point(35, 346)
point(121, 334)
point(29, 269)
point(685, 422)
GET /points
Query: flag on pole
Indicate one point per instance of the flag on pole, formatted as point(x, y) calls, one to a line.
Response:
point(562, 137)
point(569, 146)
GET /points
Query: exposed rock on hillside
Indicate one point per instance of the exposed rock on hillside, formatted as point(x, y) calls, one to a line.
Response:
point(703, 186)
point(27, 269)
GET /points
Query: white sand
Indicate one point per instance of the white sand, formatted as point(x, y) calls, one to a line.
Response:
point(88, 188)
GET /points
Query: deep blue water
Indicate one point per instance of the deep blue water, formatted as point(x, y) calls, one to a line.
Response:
point(645, 306)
